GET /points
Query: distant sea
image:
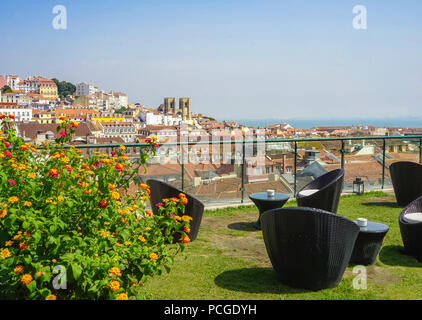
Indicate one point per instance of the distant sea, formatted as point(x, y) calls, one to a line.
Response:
point(307, 124)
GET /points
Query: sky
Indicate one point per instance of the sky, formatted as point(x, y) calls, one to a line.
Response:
point(236, 59)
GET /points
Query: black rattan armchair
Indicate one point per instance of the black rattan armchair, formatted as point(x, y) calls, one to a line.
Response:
point(411, 232)
point(194, 208)
point(326, 192)
point(308, 248)
point(406, 177)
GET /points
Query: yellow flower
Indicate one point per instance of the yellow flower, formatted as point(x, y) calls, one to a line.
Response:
point(142, 239)
point(60, 198)
point(114, 285)
point(126, 243)
point(31, 175)
point(13, 199)
point(186, 218)
point(51, 297)
point(5, 253)
point(9, 243)
point(18, 269)
point(115, 195)
point(104, 234)
point(123, 148)
point(147, 229)
point(122, 296)
point(115, 271)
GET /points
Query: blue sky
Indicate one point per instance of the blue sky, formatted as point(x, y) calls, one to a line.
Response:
point(237, 59)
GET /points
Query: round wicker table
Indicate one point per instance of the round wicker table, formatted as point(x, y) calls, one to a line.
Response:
point(368, 243)
point(265, 203)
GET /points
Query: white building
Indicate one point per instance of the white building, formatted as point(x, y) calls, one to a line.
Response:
point(21, 113)
point(157, 118)
point(12, 81)
point(84, 89)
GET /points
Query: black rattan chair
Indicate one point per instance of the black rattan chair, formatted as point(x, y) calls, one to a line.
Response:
point(406, 177)
point(194, 208)
point(411, 232)
point(308, 248)
point(327, 197)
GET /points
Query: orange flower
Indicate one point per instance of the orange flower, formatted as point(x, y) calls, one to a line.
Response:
point(115, 195)
point(184, 201)
point(119, 166)
point(186, 229)
point(122, 296)
point(115, 271)
point(3, 213)
point(23, 246)
point(26, 279)
point(153, 256)
point(18, 269)
point(114, 285)
point(185, 239)
point(13, 199)
point(51, 297)
point(142, 239)
point(148, 213)
point(53, 173)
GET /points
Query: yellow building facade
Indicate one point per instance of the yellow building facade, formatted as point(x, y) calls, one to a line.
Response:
point(49, 90)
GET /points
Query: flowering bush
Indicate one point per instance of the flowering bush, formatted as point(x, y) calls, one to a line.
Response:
point(69, 228)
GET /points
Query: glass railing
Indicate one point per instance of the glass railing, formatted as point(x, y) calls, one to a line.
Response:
point(227, 172)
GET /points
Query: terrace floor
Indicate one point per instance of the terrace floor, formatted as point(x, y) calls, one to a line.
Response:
point(229, 261)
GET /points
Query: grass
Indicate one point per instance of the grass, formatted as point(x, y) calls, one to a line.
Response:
point(229, 260)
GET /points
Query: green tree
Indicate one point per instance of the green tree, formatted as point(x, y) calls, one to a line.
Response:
point(64, 88)
point(6, 89)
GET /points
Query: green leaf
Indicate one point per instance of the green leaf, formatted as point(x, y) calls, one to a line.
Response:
point(76, 271)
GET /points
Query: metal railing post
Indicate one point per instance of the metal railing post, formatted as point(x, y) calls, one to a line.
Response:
point(295, 168)
point(342, 154)
point(383, 163)
point(242, 189)
point(420, 150)
point(183, 166)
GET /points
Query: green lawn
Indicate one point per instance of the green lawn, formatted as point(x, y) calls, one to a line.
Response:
point(229, 261)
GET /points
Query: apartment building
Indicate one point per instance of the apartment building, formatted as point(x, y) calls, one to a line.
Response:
point(84, 89)
point(21, 113)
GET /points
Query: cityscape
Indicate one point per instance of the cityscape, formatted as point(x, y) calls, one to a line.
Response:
point(108, 118)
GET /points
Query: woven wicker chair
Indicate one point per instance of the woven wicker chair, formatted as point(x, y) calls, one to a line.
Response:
point(326, 191)
point(308, 248)
point(411, 232)
point(406, 177)
point(194, 208)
